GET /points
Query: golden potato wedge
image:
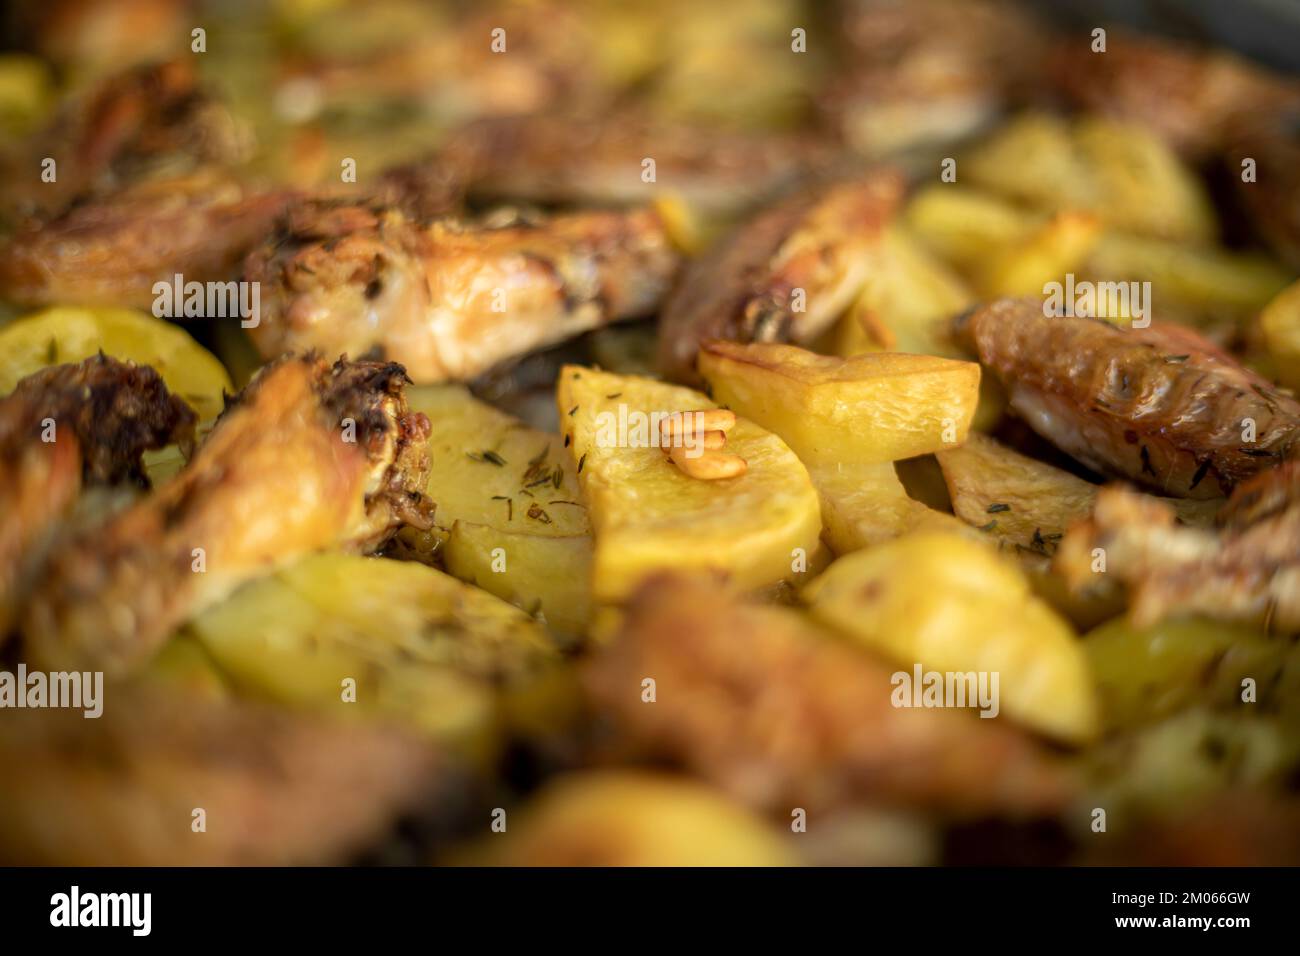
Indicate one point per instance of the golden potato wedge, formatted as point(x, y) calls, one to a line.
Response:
point(373, 638)
point(547, 576)
point(1061, 245)
point(907, 303)
point(1121, 172)
point(961, 224)
point(950, 604)
point(865, 503)
point(633, 818)
point(648, 516)
point(1149, 672)
point(1280, 325)
point(870, 408)
point(1026, 505)
point(1202, 280)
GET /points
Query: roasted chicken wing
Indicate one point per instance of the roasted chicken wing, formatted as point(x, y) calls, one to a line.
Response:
point(1161, 406)
point(782, 276)
point(310, 456)
point(66, 427)
point(451, 299)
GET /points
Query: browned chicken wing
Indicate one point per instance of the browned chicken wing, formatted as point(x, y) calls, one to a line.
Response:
point(784, 275)
point(561, 159)
point(1272, 197)
point(1161, 406)
point(114, 248)
point(143, 122)
point(309, 457)
point(451, 299)
point(929, 71)
point(66, 427)
point(1184, 94)
point(759, 701)
point(1249, 570)
point(275, 788)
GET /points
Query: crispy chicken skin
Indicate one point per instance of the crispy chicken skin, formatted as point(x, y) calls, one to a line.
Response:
point(309, 457)
point(761, 702)
point(1188, 96)
point(114, 248)
point(1161, 406)
point(145, 121)
point(104, 415)
point(1249, 570)
point(277, 788)
point(450, 299)
point(746, 288)
point(561, 158)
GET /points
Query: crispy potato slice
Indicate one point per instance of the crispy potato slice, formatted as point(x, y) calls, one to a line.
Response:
point(649, 516)
point(877, 407)
point(634, 818)
point(769, 706)
point(498, 483)
point(421, 648)
point(1280, 325)
point(953, 605)
point(1149, 672)
point(547, 576)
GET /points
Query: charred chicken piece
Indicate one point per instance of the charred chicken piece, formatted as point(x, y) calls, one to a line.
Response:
point(309, 457)
point(66, 427)
point(1161, 406)
point(115, 247)
point(930, 71)
point(1249, 570)
point(762, 703)
point(564, 159)
point(1188, 96)
point(784, 275)
point(277, 788)
point(451, 299)
point(143, 122)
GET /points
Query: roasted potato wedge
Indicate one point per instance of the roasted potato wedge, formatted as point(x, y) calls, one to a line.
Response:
point(962, 224)
point(1024, 504)
point(1061, 245)
point(378, 639)
point(649, 516)
point(1125, 175)
point(871, 408)
point(865, 504)
point(906, 306)
point(951, 604)
point(1146, 673)
point(1280, 325)
point(634, 818)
